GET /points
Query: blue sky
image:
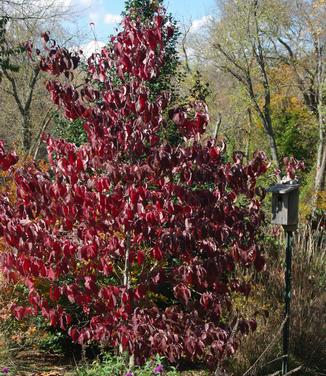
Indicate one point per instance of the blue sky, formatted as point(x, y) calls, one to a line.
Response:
point(106, 13)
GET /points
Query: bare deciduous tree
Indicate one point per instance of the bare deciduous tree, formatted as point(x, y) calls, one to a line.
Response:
point(24, 106)
point(239, 46)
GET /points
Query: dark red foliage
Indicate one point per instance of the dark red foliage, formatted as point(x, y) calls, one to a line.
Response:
point(292, 166)
point(6, 159)
point(137, 241)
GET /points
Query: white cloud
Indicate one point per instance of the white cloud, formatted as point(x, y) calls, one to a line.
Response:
point(201, 23)
point(86, 2)
point(112, 18)
point(91, 47)
point(94, 17)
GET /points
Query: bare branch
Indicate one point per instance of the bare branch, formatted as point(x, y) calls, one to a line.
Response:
point(267, 349)
point(35, 147)
point(293, 371)
point(231, 59)
point(217, 126)
point(184, 49)
point(15, 91)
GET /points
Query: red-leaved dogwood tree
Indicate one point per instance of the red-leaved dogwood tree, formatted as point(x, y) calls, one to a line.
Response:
point(127, 240)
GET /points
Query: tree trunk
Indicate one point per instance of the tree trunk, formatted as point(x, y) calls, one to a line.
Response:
point(267, 122)
point(37, 142)
point(126, 282)
point(217, 127)
point(126, 272)
point(321, 153)
point(27, 134)
point(321, 168)
point(250, 126)
point(273, 147)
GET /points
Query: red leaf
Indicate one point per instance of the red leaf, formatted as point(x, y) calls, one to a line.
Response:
point(73, 333)
point(45, 37)
point(259, 263)
point(19, 312)
point(140, 292)
point(157, 253)
point(253, 324)
point(182, 292)
point(141, 103)
point(140, 257)
point(54, 294)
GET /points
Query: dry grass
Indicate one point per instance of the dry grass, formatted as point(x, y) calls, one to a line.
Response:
point(308, 317)
point(308, 309)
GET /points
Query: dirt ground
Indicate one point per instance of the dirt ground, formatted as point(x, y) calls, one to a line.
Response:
point(33, 363)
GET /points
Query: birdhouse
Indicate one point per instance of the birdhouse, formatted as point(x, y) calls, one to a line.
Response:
point(285, 204)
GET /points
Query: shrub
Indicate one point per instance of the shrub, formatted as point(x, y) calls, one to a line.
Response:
point(127, 240)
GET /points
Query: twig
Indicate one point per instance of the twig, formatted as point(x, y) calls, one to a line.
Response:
point(38, 140)
point(219, 371)
point(275, 373)
point(217, 127)
point(293, 371)
point(269, 346)
point(286, 374)
point(184, 49)
point(274, 360)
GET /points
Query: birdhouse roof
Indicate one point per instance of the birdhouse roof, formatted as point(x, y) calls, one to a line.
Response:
point(283, 188)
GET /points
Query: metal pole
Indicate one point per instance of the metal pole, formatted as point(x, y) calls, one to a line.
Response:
point(287, 300)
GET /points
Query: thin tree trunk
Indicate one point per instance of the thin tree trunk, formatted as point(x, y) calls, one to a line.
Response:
point(267, 122)
point(247, 151)
point(217, 127)
point(184, 49)
point(321, 171)
point(24, 106)
point(126, 282)
point(126, 272)
point(37, 143)
point(273, 147)
point(321, 153)
point(27, 134)
point(260, 57)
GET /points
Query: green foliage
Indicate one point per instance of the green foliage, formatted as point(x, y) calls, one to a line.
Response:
point(295, 134)
point(5, 50)
point(145, 9)
point(200, 89)
point(118, 366)
point(171, 134)
point(49, 339)
point(141, 8)
point(72, 131)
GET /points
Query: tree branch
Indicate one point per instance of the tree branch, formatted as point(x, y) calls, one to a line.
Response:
point(15, 91)
point(267, 349)
point(183, 45)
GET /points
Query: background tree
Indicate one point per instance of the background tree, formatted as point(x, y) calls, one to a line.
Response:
point(239, 46)
point(301, 45)
point(24, 105)
point(274, 57)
